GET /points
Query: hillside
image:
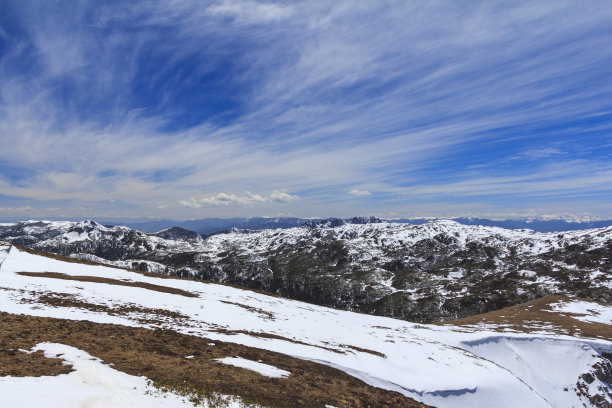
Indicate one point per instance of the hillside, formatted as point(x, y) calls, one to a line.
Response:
point(215, 342)
point(432, 272)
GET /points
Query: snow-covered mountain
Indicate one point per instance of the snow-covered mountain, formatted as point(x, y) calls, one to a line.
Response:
point(436, 271)
point(135, 339)
point(208, 226)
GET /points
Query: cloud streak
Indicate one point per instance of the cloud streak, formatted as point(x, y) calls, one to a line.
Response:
point(357, 192)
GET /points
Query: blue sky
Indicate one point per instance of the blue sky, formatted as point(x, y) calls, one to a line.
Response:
point(190, 109)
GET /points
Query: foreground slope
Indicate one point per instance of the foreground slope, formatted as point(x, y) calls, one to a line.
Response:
point(154, 360)
point(437, 271)
point(444, 366)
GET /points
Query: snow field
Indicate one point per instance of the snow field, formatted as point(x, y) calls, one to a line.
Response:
point(437, 365)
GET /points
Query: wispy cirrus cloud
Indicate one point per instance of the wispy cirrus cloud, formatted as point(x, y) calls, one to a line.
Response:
point(128, 109)
point(251, 11)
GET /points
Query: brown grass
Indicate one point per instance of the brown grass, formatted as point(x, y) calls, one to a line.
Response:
point(109, 281)
point(58, 299)
point(533, 315)
point(160, 356)
point(365, 350)
point(18, 364)
point(262, 313)
point(273, 336)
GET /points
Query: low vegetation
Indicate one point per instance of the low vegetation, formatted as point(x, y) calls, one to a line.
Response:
point(160, 356)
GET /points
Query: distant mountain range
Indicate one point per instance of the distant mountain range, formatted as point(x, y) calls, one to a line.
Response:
point(208, 226)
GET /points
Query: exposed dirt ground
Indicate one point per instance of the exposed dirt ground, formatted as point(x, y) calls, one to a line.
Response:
point(148, 315)
point(160, 356)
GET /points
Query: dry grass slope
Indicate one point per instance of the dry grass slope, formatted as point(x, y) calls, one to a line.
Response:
point(160, 356)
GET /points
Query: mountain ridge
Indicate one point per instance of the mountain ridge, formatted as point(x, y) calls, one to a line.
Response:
point(207, 226)
point(436, 271)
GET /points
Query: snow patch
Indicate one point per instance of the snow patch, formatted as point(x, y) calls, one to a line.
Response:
point(585, 311)
point(92, 384)
point(261, 368)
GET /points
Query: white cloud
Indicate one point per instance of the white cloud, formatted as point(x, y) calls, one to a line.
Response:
point(357, 192)
point(251, 11)
point(226, 200)
point(280, 197)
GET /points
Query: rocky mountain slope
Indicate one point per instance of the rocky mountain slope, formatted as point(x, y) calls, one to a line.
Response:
point(75, 334)
point(436, 271)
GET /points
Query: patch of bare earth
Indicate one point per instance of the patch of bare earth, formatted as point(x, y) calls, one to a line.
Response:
point(262, 313)
point(538, 315)
point(272, 336)
point(365, 350)
point(160, 356)
point(150, 315)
